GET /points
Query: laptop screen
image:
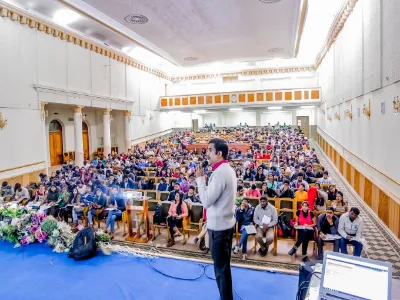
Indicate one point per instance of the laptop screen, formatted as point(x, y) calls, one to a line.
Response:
point(354, 279)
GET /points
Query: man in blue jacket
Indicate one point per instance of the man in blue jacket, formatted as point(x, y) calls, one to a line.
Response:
point(244, 217)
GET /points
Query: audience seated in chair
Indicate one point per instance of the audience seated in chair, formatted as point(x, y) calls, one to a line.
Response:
point(304, 217)
point(264, 211)
point(327, 223)
point(115, 207)
point(244, 217)
point(97, 206)
point(350, 228)
point(339, 205)
point(177, 211)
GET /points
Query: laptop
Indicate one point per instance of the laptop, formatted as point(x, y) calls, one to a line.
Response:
point(346, 277)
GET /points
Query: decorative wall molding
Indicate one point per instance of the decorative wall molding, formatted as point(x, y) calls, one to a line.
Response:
point(237, 99)
point(81, 95)
point(16, 15)
point(244, 73)
point(336, 27)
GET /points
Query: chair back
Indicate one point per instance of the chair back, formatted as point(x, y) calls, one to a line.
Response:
point(152, 194)
point(164, 196)
point(254, 201)
point(196, 212)
point(165, 207)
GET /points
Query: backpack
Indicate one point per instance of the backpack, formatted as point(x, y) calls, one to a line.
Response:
point(84, 245)
point(158, 217)
point(284, 228)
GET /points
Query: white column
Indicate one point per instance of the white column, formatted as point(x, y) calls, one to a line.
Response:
point(106, 132)
point(127, 119)
point(78, 135)
point(294, 117)
point(258, 118)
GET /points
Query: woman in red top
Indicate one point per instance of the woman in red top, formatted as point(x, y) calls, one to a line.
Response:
point(304, 217)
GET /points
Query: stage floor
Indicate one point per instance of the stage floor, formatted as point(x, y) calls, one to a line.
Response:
point(35, 272)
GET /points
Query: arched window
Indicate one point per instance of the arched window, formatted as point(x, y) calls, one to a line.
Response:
point(55, 126)
point(84, 126)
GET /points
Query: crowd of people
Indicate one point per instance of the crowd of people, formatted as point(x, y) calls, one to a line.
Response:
point(279, 163)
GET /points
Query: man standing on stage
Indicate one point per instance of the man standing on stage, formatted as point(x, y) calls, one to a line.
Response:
point(219, 200)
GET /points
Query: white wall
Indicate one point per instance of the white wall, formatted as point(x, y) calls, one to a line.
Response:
point(363, 64)
point(286, 115)
point(28, 57)
point(245, 83)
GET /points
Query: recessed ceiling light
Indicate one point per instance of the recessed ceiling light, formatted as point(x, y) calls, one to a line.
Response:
point(65, 17)
point(276, 50)
point(190, 58)
point(269, 1)
point(136, 19)
point(275, 107)
point(311, 106)
point(236, 109)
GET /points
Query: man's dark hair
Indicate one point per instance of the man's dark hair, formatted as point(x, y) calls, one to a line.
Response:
point(326, 173)
point(263, 198)
point(286, 181)
point(17, 186)
point(220, 145)
point(355, 210)
point(330, 208)
point(239, 188)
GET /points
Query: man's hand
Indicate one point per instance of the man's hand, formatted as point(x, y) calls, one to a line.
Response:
point(348, 237)
point(322, 235)
point(199, 171)
point(265, 227)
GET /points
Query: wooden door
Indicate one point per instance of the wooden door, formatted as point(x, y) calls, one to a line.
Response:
point(85, 136)
point(304, 124)
point(56, 148)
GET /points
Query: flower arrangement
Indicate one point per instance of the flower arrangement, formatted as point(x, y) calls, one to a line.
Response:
point(23, 227)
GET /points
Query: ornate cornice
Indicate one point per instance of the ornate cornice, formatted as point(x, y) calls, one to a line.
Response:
point(337, 26)
point(244, 73)
point(75, 94)
point(35, 23)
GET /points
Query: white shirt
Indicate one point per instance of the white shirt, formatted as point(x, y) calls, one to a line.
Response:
point(219, 197)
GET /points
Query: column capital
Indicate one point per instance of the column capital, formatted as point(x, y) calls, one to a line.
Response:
point(43, 104)
point(106, 111)
point(77, 109)
point(127, 113)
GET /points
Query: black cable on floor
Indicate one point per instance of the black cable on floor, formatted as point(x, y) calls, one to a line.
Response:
point(204, 266)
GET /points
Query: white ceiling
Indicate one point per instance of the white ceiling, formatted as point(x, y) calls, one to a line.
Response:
point(225, 35)
point(211, 30)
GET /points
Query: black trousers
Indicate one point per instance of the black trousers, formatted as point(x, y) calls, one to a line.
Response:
point(172, 223)
point(221, 247)
point(304, 236)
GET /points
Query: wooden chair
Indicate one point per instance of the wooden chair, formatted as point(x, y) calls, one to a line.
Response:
point(239, 234)
point(253, 201)
point(163, 196)
point(165, 208)
point(195, 220)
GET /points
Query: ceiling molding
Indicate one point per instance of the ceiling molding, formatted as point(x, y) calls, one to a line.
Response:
point(81, 95)
point(97, 16)
point(335, 29)
point(244, 73)
point(303, 15)
point(16, 15)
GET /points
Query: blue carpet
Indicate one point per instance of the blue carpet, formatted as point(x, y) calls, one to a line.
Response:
point(35, 272)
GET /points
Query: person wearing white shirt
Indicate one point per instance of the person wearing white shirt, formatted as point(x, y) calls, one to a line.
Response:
point(21, 193)
point(219, 200)
point(325, 179)
point(350, 227)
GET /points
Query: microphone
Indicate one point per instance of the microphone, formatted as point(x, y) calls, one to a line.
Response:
point(204, 164)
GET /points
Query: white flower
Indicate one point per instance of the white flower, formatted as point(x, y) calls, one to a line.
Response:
point(15, 221)
point(55, 233)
